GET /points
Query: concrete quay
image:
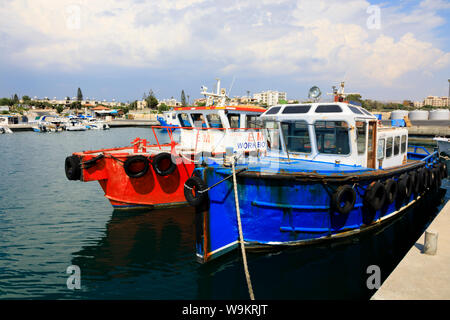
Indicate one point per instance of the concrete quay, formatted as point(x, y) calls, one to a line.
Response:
point(421, 276)
point(132, 123)
point(112, 124)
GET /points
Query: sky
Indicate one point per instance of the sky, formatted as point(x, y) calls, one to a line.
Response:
point(384, 50)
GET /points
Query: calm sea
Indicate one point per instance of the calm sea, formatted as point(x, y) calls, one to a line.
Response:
point(48, 223)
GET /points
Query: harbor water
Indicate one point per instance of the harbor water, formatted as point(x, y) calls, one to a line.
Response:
point(48, 223)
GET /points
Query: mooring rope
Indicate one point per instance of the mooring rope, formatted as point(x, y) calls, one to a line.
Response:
point(241, 238)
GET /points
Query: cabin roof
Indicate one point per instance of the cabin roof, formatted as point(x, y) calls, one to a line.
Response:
point(318, 110)
point(244, 108)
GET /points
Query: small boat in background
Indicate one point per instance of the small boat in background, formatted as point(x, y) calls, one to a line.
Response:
point(96, 124)
point(75, 124)
point(443, 145)
point(168, 119)
point(4, 125)
point(49, 123)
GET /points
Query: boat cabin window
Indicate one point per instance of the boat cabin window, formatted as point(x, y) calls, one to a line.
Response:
point(355, 110)
point(272, 134)
point(389, 142)
point(214, 120)
point(325, 108)
point(296, 109)
point(273, 110)
point(332, 137)
point(396, 146)
point(380, 151)
point(184, 120)
point(403, 143)
point(366, 112)
point(296, 136)
point(234, 120)
point(361, 136)
point(252, 121)
point(199, 120)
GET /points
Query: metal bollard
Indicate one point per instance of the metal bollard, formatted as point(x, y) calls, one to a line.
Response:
point(430, 245)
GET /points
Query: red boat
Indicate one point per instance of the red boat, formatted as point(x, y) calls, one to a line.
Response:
point(150, 176)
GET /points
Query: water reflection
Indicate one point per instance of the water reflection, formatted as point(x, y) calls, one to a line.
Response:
point(151, 255)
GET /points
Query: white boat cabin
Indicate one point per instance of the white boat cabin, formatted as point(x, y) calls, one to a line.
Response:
point(336, 132)
point(218, 116)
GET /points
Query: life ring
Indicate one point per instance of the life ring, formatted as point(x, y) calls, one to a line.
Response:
point(72, 168)
point(163, 165)
point(404, 187)
point(194, 191)
point(391, 187)
point(343, 199)
point(375, 196)
point(130, 163)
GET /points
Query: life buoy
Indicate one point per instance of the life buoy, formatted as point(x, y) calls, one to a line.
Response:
point(404, 187)
point(343, 199)
point(375, 196)
point(72, 168)
point(194, 191)
point(131, 163)
point(163, 165)
point(391, 187)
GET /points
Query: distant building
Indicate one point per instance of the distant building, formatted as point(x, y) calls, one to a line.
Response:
point(170, 102)
point(4, 108)
point(418, 104)
point(270, 97)
point(436, 101)
point(141, 104)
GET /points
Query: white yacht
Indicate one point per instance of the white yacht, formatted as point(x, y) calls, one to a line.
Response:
point(4, 127)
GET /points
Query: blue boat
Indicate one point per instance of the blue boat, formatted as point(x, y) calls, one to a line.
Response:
point(330, 171)
point(168, 119)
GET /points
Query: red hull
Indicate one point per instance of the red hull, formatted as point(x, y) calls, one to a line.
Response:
point(124, 192)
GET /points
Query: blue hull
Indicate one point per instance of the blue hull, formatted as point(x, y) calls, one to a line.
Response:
point(289, 209)
point(165, 124)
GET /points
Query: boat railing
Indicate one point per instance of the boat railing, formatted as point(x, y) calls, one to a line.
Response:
point(194, 140)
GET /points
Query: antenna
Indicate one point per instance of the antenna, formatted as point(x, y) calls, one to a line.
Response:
point(231, 87)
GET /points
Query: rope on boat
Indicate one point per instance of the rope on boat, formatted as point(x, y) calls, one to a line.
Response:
point(241, 238)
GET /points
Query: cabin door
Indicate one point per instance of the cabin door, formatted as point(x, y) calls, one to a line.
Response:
point(371, 144)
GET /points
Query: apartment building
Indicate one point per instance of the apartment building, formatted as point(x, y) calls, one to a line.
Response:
point(269, 97)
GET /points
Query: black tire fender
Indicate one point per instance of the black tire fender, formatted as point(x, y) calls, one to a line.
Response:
point(158, 159)
point(404, 187)
point(375, 196)
point(391, 187)
point(194, 191)
point(133, 159)
point(72, 167)
point(343, 199)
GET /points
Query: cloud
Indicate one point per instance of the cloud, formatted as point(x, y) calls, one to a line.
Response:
point(299, 39)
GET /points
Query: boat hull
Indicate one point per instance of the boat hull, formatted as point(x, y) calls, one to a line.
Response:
point(283, 210)
point(130, 193)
